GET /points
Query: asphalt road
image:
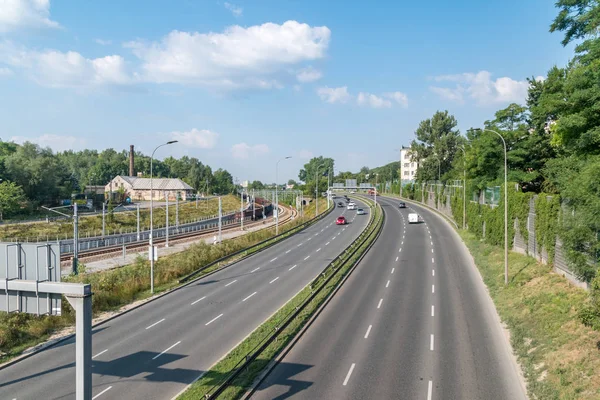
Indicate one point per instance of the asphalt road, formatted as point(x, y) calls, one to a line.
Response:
point(154, 351)
point(413, 321)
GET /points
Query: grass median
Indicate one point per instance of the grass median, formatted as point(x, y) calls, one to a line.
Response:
point(560, 356)
point(220, 371)
point(122, 286)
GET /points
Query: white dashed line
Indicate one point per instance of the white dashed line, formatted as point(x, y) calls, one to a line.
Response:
point(432, 260)
point(273, 280)
point(213, 320)
point(306, 258)
point(432, 311)
point(273, 259)
point(158, 355)
point(249, 296)
point(387, 284)
point(299, 245)
point(327, 244)
point(402, 243)
point(432, 288)
point(400, 249)
point(255, 269)
point(429, 390)
point(380, 301)
point(431, 343)
point(368, 330)
point(231, 283)
point(393, 269)
point(432, 250)
point(318, 250)
point(333, 238)
point(348, 375)
point(397, 258)
point(202, 298)
point(432, 243)
point(154, 324)
point(99, 354)
point(295, 265)
point(433, 272)
point(308, 239)
point(99, 394)
point(288, 251)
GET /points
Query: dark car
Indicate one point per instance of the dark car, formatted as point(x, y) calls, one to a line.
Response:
point(340, 204)
point(402, 205)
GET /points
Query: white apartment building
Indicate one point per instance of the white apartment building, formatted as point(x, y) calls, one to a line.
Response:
point(408, 168)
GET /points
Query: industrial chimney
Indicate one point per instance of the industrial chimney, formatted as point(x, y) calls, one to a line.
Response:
point(131, 172)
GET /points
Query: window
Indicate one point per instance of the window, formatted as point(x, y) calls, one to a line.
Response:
point(406, 156)
point(405, 173)
point(406, 165)
point(412, 164)
point(413, 172)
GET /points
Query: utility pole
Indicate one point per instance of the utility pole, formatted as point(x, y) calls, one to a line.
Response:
point(220, 217)
point(103, 218)
point(75, 240)
point(242, 209)
point(167, 219)
point(253, 206)
point(177, 210)
point(138, 222)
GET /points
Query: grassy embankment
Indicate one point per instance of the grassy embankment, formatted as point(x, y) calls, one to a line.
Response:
point(119, 287)
point(219, 372)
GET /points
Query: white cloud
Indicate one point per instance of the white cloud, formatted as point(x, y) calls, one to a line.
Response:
point(308, 74)
point(235, 10)
point(102, 42)
point(200, 139)
point(244, 151)
point(5, 72)
point(482, 88)
point(239, 57)
point(398, 97)
point(55, 142)
point(368, 99)
point(334, 95)
point(17, 14)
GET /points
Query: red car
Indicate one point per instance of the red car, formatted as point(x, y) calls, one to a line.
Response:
point(341, 221)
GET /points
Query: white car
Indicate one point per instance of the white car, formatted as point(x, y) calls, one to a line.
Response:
point(360, 211)
point(414, 218)
point(351, 206)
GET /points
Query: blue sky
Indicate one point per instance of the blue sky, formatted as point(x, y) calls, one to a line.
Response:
point(243, 83)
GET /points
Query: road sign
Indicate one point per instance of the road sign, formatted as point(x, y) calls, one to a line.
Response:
point(37, 262)
point(350, 183)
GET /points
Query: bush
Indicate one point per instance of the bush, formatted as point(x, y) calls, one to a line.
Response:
point(590, 315)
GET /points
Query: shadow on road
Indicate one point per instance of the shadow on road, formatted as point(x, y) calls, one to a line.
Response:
point(280, 379)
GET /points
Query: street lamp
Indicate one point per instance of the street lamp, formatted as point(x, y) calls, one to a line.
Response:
point(277, 194)
point(464, 185)
point(317, 190)
point(151, 216)
point(505, 204)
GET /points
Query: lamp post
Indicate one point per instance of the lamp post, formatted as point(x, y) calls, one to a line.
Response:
point(505, 204)
point(375, 195)
point(317, 190)
point(277, 193)
point(151, 215)
point(464, 186)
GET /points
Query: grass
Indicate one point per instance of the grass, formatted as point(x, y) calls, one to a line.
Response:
point(220, 371)
point(560, 356)
point(117, 222)
point(119, 287)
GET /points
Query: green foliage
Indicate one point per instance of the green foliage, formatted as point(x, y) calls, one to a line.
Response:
point(316, 170)
point(546, 223)
point(12, 198)
point(590, 315)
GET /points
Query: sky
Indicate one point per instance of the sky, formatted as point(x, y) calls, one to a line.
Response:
point(242, 84)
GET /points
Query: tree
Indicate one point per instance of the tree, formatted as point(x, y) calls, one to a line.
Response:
point(292, 182)
point(222, 182)
point(11, 198)
point(307, 174)
point(256, 185)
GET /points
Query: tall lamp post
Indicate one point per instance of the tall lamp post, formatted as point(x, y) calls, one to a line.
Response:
point(277, 194)
point(151, 216)
point(505, 204)
point(464, 185)
point(317, 190)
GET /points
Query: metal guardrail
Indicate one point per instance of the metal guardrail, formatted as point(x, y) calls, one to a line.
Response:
point(344, 257)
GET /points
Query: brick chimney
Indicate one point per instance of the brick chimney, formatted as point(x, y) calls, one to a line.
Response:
point(131, 172)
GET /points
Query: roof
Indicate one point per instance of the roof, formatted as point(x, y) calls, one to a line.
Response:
point(157, 183)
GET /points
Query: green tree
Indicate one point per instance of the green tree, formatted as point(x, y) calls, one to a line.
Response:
point(307, 174)
point(12, 198)
point(222, 182)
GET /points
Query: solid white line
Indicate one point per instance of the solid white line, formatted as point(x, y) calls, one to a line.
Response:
point(318, 250)
point(273, 259)
point(231, 283)
point(393, 270)
point(158, 355)
point(306, 258)
point(102, 352)
point(327, 243)
point(249, 296)
point(273, 280)
point(432, 311)
point(288, 251)
point(432, 288)
point(433, 272)
point(99, 394)
point(387, 284)
point(429, 390)
point(368, 330)
point(154, 324)
point(380, 301)
point(397, 258)
point(213, 320)
point(348, 375)
point(202, 298)
point(255, 269)
point(295, 265)
point(431, 343)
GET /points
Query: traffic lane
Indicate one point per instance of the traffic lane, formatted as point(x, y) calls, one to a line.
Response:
point(318, 364)
point(473, 347)
point(102, 348)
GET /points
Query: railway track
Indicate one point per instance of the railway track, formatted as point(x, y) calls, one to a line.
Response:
point(111, 251)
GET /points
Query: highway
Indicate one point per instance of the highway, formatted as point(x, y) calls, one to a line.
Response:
point(413, 321)
point(155, 351)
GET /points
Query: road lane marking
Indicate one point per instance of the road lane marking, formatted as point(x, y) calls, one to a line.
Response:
point(432, 288)
point(255, 269)
point(249, 296)
point(99, 394)
point(349, 373)
point(154, 324)
point(318, 250)
point(308, 239)
point(432, 243)
point(400, 249)
point(273, 280)
point(380, 301)
point(306, 258)
point(397, 258)
point(273, 259)
point(432, 250)
point(387, 284)
point(333, 238)
point(99, 354)
point(393, 269)
point(288, 251)
point(429, 390)
point(368, 330)
point(295, 265)
point(317, 234)
point(432, 259)
point(158, 355)
point(433, 272)
point(231, 283)
point(432, 311)
point(431, 343)
point(402, 243)
point(299, 245)
point(213, 320)
point(326, 244)
point(202, 298)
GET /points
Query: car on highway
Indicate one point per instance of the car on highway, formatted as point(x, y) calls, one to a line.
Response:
point(351, 206)
point(361, 211)
point(402, 205)
point(340, 204)
point(341, 220)
point(414, 218)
